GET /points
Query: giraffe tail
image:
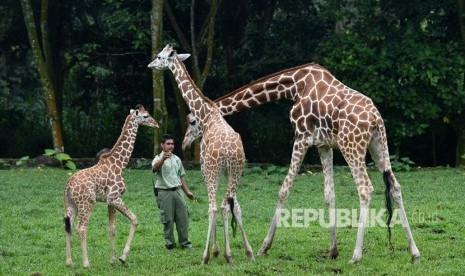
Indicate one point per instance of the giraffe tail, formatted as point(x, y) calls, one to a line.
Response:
point(67, 224)
point(387, 194)
point(233, 219)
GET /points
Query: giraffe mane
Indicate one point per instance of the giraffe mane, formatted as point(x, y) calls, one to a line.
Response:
point(109, 153)
point(205, 98)
point(267, 77)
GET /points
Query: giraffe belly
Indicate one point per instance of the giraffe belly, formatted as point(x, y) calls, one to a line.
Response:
point(323, 137)
point(101, 193)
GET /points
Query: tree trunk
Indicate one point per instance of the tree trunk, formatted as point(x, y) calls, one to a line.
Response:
point(460, 124)
point(460, 150)
point(204, 37)
point(42, 53)
point(159, 103)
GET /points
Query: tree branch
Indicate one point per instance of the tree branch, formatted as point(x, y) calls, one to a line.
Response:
point(211, 35)
point(195, 59)
point(182, 38)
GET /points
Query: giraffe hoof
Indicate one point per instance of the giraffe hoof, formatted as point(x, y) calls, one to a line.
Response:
point(216, 253)
point(122, 260)
point(334, 253)
point(416, 259)
point(262, 252)
point(228, 259)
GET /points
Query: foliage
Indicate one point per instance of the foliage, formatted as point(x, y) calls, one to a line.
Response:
point(402, 164)
point(21, 161)
point(33, 240)
point(64, 158)
point(403, 58)
point(406, 56)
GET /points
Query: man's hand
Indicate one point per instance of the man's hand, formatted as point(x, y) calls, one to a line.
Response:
point(166, 155)
point(191, 196)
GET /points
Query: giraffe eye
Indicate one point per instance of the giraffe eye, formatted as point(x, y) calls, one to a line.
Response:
point(146, 116)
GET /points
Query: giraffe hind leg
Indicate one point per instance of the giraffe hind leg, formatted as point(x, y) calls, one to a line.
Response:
point(82, 230)
point(233, 217)
point(225, 210)
point(380, 156)
point(238, 214)
point(68, 225)
point(67, 221)
point(395, 191)
point(326, 156)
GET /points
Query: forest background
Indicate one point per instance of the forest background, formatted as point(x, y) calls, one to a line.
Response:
point(70, 71)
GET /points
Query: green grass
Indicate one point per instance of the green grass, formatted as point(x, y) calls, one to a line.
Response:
point(32, 237)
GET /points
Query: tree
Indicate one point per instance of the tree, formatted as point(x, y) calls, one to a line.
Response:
point(405, 56)
point(42, 52)
point(460, 122)
point(159, 103)
point(199, 45)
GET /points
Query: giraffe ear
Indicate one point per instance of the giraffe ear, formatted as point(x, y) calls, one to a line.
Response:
point(183, 57)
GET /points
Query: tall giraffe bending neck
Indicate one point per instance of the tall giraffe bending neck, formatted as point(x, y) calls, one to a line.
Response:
point(326, 114)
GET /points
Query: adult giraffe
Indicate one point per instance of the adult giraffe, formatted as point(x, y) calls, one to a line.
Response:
point(220, 150)
point(104, 183)
point(326, 114)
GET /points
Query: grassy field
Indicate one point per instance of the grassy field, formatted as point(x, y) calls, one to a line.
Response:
point(32, 238)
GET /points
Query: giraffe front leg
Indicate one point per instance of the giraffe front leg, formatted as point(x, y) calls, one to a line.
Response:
point(112, 230)
point(301, 145)
point(119, 205)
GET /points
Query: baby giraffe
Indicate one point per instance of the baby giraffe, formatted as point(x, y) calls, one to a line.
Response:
point(104, 183)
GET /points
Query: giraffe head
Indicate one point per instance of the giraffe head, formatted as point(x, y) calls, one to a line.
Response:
point(167, 57)
point(142, 117)
point(193, 131)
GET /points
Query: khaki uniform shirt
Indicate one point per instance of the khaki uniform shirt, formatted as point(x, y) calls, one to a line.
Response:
point(169, 174)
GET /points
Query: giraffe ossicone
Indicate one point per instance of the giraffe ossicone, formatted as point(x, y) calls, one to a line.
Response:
point(326, 114)
point(221, 150)
point(104, 182)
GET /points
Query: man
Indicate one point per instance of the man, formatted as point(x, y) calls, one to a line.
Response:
point(169, 182)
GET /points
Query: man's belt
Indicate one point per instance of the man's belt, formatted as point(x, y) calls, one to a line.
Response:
point(169, 189)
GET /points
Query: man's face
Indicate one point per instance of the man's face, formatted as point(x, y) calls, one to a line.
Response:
point(168, 145)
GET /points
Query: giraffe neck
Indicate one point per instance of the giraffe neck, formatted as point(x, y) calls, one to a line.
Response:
point(122, 150)
point(287, 84)
point(198, 104)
